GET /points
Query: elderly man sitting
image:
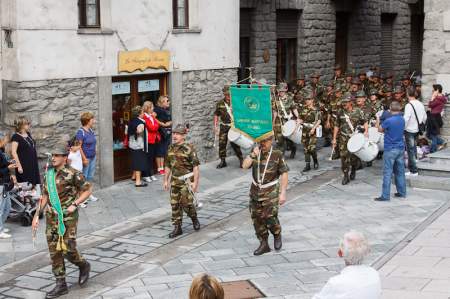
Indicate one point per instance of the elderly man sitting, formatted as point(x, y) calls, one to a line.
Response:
point(356, 281)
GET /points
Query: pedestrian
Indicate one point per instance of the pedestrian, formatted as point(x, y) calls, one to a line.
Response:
point(64, 190)
point(222, 124)
point(6, 182)
point(205, 286)
point(348, 121)
point(182, 176)
point(393, 158)
point(356, 281)
point(153, 138)
point(310, 119)
point(74, 159)
point(23, 151)
point(164, 118)
point(434, 121)
point(86, 136)
point(267, 192)
point(415, 117)
point(137, 134)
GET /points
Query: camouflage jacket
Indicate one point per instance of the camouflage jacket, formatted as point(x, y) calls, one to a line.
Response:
point(276, 167)
point(335, 106)
point(375, 107)
point(367, 110)
point(309, 116)
point(181, 160)
point(69, 183)
point(339, 81)
point(318, 92)
point(356, 118)
point(287, 102)
point(222, 112)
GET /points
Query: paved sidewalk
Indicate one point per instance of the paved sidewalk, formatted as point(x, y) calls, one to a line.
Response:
point(422, 269)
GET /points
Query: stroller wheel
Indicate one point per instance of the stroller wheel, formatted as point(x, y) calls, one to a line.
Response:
point(26, 220)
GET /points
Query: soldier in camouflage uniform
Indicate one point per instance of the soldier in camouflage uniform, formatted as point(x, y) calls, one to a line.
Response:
point(222, 123)
point(361, 103)
point(310, 119)
point(399, 96)
point(182, 169)
point(267, 192)
point(300, 84)
point(335, 107)
point(338, 76)
point(348, 82)
point(375, 104)
point(317, 88)
point(375, 82)
point(344, 131)
point(72, 190)
point(325, 110)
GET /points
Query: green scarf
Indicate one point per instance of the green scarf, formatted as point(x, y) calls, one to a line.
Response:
point(56, 205)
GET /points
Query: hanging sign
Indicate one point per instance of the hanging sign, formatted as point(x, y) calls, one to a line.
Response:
point(130, 61)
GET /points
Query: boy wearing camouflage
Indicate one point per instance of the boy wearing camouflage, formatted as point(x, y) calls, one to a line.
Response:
point(348, 119)
point(182, 175)
point(310, 119)
point(222, 124)
point(267, 192)
point(64, 190)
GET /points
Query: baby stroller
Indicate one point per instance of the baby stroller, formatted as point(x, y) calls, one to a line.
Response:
point(24, 202)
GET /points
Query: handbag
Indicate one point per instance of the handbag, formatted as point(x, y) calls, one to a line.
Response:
point(136, 143)
point(421, 125)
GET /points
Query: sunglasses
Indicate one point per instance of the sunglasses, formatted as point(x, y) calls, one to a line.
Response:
point(58, 155)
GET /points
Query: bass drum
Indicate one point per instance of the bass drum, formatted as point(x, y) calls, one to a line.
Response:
point(292, 131)
point(240, 139)
point(377, 138)
point(362, 148)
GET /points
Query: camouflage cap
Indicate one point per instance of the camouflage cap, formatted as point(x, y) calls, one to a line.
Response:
point(398, 89)
point(180, 129)
point(226, 89)
point(405, 76)
point(60, 148)
point(362, 72)
point(348, 74)
point(387, 88)
point(282, 86)
point(307, 94)
point(338, 88)
point(338, 67)
point(373, 91)
point(315, 75)
point(330, 84)
point(301, 77)
point(356, 81)
point(347, 97)
point(360, 94)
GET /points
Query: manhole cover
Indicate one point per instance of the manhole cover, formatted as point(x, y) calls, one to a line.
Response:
point(242, 289)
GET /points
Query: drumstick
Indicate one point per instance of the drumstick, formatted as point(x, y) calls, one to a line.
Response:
point(331, 156)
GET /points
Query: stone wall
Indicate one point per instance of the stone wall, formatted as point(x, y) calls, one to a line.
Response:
point(401, 36)
point(52, 106)
point(201, 91)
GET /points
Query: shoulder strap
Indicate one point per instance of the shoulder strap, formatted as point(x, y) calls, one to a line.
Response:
point(56, 205)
point(349, 123)
point(82, 131)
point(417, 119)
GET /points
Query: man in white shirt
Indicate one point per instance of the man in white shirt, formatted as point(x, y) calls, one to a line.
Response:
point(412, 127)
point(356, 281)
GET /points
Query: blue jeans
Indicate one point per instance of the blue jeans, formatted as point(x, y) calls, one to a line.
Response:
point(5, 207)
point(411, 148)
point(394, 163)
point(89, 170)
point(435, 141)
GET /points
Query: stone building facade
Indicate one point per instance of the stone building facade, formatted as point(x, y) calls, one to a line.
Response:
point(349, 32)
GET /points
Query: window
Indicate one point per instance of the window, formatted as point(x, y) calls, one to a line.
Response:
point(89, 11)
point(180, 14)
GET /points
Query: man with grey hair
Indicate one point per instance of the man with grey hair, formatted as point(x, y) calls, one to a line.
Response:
point(356, 281)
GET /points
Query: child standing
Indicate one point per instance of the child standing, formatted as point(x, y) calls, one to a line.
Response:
point(74, 158)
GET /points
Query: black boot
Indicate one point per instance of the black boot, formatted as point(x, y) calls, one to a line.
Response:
point(307, 167)
point(241, 160)
point(346, 179)
point(263, 247)
point(316, 162)
point(293, 151)
point(369, 164)
point(222, 163)
point(353, 173)
point(327, 143)
point(195, 223)
point(84, 273)
point(59, 289)
point(177, 231)
point(277, 243)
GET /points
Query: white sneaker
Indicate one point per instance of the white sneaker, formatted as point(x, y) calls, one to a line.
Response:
point(147, 179)
point(6, 230)
point(4, 235)
point(153, 178)
point(414, 174)
point(407, 173)
point(83, 205)
point(93, 198)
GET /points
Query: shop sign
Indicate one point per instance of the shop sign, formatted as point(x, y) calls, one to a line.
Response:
point(130, 61)
point(121, 87)
point(148, 85)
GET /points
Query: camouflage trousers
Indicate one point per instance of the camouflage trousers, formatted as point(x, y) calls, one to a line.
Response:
point(265, 217)
point(327, 133)
point(181, 200)
point(223, 140)
point(279, 138)
point(347, 159)
point(309, 145)
point(72, 254)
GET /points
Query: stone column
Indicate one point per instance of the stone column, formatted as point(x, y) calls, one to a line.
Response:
point(401, 36)
point(176, 96)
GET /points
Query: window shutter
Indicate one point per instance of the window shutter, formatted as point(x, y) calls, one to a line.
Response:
point(386, 54)
point(287, 23)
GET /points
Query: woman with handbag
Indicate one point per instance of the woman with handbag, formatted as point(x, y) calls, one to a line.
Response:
point(434, 124)
point(164, 119)
point(138, 144)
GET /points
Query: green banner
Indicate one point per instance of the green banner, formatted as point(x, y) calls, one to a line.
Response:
point(252, 110)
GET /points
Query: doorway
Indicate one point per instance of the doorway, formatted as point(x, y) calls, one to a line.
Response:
point(287, 32)
point(341, 49)
point(127, 92)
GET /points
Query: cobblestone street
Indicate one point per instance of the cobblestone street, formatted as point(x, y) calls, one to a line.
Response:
point(136, 259)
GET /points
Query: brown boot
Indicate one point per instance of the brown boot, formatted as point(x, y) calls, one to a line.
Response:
point(59, 289)
point(277, 243)
point(84, 273)
point(263, 247)
point(222, 164)
point(195, 223)
point(177, 231)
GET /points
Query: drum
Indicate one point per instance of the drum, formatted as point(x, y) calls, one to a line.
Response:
point(377, 138)
point(292, 131)
point(319, 132)
point(240, 139)
point(362, 148)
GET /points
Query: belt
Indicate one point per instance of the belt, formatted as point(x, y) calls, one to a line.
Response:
point(183, 177)
point(224, 124)
point(308, 125)
point(264, 186)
